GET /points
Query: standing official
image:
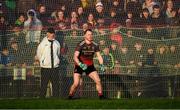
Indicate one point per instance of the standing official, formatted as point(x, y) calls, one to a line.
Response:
point(83, 58)
point(48, 53)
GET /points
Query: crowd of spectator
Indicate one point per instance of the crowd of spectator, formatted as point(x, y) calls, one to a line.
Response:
point(34, 16)
point(140, 58)
point(73, 14)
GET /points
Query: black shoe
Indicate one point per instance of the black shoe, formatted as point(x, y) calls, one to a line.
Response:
point(70, 97)
point(102, 97)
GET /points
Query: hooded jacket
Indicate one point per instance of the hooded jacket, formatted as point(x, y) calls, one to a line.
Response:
point(32, 27)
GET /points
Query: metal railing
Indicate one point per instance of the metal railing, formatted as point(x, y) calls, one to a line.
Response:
point(25, 82)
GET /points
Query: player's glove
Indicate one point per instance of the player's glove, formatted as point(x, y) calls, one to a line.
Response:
point(83, 66)
point(102, 68)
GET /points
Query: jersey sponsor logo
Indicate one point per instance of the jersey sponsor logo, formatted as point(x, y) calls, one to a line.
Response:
point(93, 48)
point(84, 48)
point(88, 47)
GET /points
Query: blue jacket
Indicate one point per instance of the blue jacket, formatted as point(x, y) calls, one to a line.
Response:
point(5, 59)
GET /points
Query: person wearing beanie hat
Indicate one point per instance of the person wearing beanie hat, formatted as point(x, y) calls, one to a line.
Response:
point(99, 4)
point(99, 11)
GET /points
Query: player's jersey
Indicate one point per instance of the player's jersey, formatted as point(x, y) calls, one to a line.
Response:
point(87, 52)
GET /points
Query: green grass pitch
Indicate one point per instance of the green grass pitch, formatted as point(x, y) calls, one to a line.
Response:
point(53, 103)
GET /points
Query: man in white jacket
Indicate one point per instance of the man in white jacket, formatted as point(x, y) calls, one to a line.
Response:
point(48, 53)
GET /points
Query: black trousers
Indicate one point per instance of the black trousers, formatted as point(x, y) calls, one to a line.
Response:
point(49, 74)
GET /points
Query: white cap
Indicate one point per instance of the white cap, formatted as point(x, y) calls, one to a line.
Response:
point(99, 4)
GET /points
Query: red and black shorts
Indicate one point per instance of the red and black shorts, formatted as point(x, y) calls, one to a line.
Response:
point(80, 71)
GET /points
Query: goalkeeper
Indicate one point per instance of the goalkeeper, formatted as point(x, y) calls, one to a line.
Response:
point(83, 58)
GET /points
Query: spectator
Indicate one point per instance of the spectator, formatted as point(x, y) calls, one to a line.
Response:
point(102, 44)
point(99, 13)
point(157, 17)
point(36, 61)
point(125, 59)
point(73, 15)
point(51, 4)
point(73, 20)
point(150, 58)
point(85, 4)
point(20, 21)
point(0, 48)
point(101, 23)
point(173, 55)
point(118, 5)
point(33, 27)
point(170, 13)
point(3, 30)
point(114, 49)
point(19, 36)
point(145, 18)
point(102, 32)
point(129, 33)
point(60, 20)
point(151, 69)
point(169, 7)
point(161, 55)
point(178, 57)
point(75, 34)
point(108, 59)
point(72, 5)
point(118, 9)
point(138, 56)
point(64, 49)
point(5, 58)
point(113, 16)
point(85, 26)
point(161, 3)
point(129, 21)
point(60, 17)
point(13, 48)
point(150, 32)
point(11, 11)
point(72, 36)
point(149, 5)
point(62, 7)
point(135, 7)
point(43, 15)
point(74, 26)
point(91, 21)
point(17, 53)
point(65, 9)
point(3, 10)
point(116, 36)
point(178, 15)
point(81, 15)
